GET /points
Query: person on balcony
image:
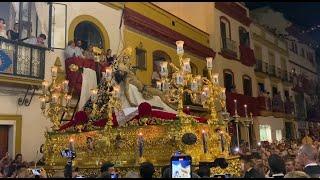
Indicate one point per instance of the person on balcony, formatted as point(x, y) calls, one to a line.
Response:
point(79, 46)
point(37, 41)
point(3, 28)
point(110, 59)
point(156, 74)
point(13, 34)
point(89, 53)
point(72, 51)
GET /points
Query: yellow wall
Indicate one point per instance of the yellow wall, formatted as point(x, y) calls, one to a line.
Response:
point(150, 44)
point(160, 16)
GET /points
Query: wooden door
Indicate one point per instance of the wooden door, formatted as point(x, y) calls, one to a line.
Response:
point(4, 134)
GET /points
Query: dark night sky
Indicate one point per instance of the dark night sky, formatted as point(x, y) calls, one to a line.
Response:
point(304, 14)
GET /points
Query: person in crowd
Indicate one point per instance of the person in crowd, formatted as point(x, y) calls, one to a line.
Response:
point(204, 170)
point(3, 28)
point(307, 139)
point(296, 174)
point(106, 170)
point(307, 156)
point(109, 58)
point(146, 170)
point(37, 41)
point(248, 168)
point(132, 174)
point(13, 34)
point(72, 51)
point(79, 45)
point(89, 53)
point(290, 165)
point(277, 166)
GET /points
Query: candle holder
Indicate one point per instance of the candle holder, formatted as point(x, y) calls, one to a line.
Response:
point(205, 156)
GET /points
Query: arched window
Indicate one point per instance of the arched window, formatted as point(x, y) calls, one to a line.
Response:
point(89, 34)
point(228, 80)
point(225, 32)
point(244, 36)
point(247, 85)
point(158, 56)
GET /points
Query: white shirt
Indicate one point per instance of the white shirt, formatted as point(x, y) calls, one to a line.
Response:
point(72, 51)
point(3, 33)
point(33, 40)
point(311, 164)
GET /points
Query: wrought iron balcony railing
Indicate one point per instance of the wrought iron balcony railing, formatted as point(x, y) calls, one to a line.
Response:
point(21, 59)
point(261, 66)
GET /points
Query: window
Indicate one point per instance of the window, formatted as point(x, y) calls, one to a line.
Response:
point(261, 88)
point(265, 133)
point(58, 26)
point(244, 37)
point(228, 80)
point(302, 52)
point(224, 31)
point(89, 34)
point(141, 57)
point(274, 91)
point(286, 94)
point(247, 86)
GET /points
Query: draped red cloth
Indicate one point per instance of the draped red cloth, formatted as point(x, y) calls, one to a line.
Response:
point(144, 110)
point(75, 78)
point(247, 55)
point(253, 104)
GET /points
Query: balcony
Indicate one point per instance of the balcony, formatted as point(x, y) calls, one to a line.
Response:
point(229, 48)
point(251, 102)
point(276, 107)
point(272, 70)
point(21, 63)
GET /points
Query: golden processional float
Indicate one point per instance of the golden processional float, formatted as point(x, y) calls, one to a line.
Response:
point(143, 139)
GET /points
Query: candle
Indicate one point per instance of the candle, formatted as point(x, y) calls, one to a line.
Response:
point(140, 144)
point(186, 65)
point(54, 98)
point(71, 144)
point(206, 90)
point(221, 140)
point(68, 99)
point(165, 86)
point(235, 107)
point(245, 110)
point(204, 141)
point(179, 79)
point(43, 102)
point(159, 85)
point(108, 73)
point(164, 69)
point(180, 50)
point(44, 86)
point(116, 90)
point(215, 78)
point(94, 93)
point(209, 62)
point(54, 71)
point(66, 86)
point(194, 85)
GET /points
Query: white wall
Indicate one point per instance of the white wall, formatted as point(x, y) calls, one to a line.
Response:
point(34, 123)
point(275, 123)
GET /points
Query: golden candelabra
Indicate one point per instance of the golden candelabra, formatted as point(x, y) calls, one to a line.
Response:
point(55, 99)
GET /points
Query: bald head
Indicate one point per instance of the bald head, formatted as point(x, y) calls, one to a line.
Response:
point(308, 151)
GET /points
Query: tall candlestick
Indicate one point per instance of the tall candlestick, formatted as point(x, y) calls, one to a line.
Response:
point(140, 144)
point(45, 86)
point(54, 71)
point(235, 107)
point(194, 85)
point(186, 65)
point(159, 85)
point(71, 144)
point(179, 79)
point(209, 63)
point(66, 86)
point(245, 110)
point(164, 69)
point(108, 73)
point(221, 140)
point(215, 78)
point(204, 141)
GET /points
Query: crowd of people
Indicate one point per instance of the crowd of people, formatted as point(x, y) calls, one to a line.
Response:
point(268, 160)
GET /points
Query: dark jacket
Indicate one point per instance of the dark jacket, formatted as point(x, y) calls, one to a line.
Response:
point(253, 173)
point(313, 171)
